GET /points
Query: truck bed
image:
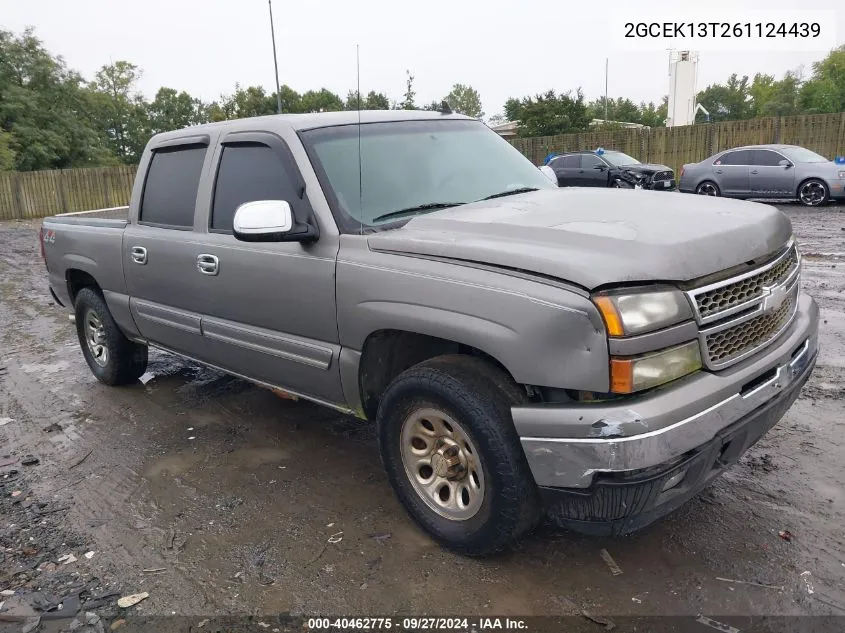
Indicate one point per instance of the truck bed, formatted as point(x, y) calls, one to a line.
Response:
point(112, 216)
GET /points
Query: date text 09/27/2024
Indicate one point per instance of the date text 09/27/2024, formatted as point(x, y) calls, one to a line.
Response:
point(463, 625)
point(693, 30)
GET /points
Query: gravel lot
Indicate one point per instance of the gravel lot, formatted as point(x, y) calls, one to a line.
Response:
point(230, 494)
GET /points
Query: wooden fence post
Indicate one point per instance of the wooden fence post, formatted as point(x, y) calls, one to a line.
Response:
point(105, 184)
point(60, 190)
point(17, 197)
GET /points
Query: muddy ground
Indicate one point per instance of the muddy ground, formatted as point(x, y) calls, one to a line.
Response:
point(217, 497)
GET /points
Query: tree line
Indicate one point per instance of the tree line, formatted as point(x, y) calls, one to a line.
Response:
point(763, 95)
point(51, 117)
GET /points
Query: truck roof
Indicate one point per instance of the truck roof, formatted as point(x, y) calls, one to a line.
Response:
point(311, 121)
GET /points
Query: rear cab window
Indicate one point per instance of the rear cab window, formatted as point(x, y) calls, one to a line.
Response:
point(170, 188)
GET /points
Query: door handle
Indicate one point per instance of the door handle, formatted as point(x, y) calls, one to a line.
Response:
point(755, 171)
point(208, 264)
point(139, 255)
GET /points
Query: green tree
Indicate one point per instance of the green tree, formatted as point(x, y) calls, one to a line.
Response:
point(7, 154)
point(770, 97)
point(652, 115)
point(407, 102)
point(622, 110)
point(729, 101)
point(120, 109)
point(171, 110)
point(549, 113)
point(320, 101)
point(825, 90)
point(372, 101)
point(465, 100)
point(44, 109)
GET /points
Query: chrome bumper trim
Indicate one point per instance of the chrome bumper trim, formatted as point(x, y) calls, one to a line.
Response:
point(572, 462)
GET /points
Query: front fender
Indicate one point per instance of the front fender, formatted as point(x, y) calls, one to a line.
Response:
point(544, 334)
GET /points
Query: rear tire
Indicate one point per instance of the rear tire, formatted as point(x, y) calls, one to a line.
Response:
point(453, 456)
point(813, 193)
point(113, 358)
point(708, 188)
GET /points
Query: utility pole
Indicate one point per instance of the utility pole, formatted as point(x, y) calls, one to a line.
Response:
point(606, 67)
point(275, 61)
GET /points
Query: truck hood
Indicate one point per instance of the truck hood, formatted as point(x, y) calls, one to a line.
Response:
point(593, 237)
point(645, 168)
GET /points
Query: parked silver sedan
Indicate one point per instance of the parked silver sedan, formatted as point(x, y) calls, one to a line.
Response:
point(766, 171)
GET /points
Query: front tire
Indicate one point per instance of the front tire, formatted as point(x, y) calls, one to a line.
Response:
point(708, 188)
point(453, 456)
point(113, 358)
point(813, 193)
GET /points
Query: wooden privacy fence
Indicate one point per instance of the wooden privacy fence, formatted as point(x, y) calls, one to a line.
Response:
point(36, 194)
point(822, 133)
point(40, 193)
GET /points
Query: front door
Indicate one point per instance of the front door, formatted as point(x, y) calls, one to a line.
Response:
point(271, 312)
point(731, 172)
point(768, 178)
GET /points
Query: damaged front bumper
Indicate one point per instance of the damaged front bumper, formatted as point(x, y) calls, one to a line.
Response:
point(613, 468)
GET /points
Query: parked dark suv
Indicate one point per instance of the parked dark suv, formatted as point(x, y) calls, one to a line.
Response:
point(609, 168)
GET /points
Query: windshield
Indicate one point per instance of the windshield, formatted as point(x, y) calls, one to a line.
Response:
point(801, 155)
point(618, 159)
point(415, 167)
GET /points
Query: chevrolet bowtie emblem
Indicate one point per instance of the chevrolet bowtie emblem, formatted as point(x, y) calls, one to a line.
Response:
point(773, 297)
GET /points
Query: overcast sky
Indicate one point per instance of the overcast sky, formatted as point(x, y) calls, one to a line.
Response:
point(502, 48)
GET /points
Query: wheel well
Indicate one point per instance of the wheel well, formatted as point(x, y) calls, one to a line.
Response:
point(77, 280)
point(387, 353)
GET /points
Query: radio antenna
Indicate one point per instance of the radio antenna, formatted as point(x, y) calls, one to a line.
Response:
point(360, 170)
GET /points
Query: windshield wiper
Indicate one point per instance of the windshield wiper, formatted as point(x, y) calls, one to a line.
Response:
point(510, 192)
point(431, 206)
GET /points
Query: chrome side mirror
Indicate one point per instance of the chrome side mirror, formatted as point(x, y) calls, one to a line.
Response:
point(270, 221)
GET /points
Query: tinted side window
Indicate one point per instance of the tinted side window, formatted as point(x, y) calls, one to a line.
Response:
point(589, 161)
point(766, 158)
point(248, 172)
point(572, 161)
point(739, 157)
point(170, 191)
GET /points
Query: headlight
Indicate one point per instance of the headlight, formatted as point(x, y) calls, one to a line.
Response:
point(627, 313)
point(628, 375)
point(842, 174)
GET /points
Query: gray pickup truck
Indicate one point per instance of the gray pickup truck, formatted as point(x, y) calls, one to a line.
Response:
point(598, 354)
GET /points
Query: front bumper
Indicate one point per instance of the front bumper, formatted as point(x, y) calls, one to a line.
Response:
point(662, 185)
point(586, 454)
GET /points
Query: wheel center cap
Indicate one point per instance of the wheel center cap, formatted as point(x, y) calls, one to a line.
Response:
point(448, 460)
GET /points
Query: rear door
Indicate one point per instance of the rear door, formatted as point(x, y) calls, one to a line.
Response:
point(270, 306)
point(593, 171)
point(159, 250)
point(768, 178)
point(731, 172)
point(568, 169)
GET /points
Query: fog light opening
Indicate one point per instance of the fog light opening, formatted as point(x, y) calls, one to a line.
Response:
point(674, 480)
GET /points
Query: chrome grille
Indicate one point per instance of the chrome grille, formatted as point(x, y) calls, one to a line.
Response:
point(732, 295)
point(740, 315)
point(733, 343)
